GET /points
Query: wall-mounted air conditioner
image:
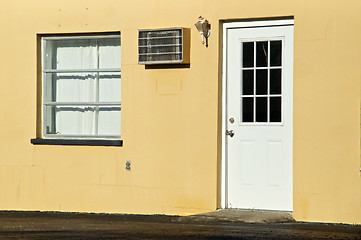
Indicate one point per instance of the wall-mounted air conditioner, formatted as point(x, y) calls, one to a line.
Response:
point(164, 46)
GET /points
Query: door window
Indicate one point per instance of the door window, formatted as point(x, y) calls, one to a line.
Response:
point(261, 94)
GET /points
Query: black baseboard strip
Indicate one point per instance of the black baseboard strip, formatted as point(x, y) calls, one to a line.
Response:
point(86, 142)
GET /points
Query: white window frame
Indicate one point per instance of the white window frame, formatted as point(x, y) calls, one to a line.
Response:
point(95, 104)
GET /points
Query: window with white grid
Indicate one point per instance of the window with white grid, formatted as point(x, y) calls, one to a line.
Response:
point(261, 93)
point(81, 86)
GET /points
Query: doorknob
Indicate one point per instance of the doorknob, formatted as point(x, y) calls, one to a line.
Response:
point(230, 133)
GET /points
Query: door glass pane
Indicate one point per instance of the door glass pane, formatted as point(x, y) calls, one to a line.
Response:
point(247, 109)
point(261, 82)
point(261, 109)
point(262, 54)
point(275, 109)
point(248, 54)
point(247, 84)
point(275, 81)
point(276, 53)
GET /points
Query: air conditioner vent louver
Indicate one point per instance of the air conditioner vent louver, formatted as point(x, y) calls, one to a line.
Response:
point(163, 46)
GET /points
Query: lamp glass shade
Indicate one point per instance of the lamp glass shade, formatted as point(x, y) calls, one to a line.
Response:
point(199, 27)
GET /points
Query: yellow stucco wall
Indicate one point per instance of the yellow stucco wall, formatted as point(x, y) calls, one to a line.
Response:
point(171, 117)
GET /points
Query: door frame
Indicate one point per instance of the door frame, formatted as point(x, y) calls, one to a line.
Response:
point(226, 26)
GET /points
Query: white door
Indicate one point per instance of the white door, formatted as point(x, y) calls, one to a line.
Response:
point(259, 117)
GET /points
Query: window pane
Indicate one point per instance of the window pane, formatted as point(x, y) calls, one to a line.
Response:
point(70, 120)
point(109, 53)
point(71, 54)
point(109, 121)
point(261, 82)
point(49, 120)
point(247, 84)
point(83, 121)
point(275, 109)
point(109, 87)
point(48, 82)
point(276, 53)
point(262, 54)
point(71, 87)
point(261, 109)
point(247, 109)
point(275, 81)
point(248, 54)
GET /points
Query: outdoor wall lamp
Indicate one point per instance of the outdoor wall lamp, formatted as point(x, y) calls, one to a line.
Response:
point(204, 28)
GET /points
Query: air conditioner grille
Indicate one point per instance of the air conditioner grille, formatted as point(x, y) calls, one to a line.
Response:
point(161, 46)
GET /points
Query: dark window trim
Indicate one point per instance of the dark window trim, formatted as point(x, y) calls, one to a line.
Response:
point(86, 142)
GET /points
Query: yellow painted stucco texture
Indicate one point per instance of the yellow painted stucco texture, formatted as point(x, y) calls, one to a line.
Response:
point(171, 117)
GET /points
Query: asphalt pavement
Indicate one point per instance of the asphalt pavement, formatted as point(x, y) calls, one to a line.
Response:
point(226, 224)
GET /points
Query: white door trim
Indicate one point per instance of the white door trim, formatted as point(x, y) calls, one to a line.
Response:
point(226, 26)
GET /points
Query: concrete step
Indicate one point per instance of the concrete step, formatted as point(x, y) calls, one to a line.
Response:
point(243, 215)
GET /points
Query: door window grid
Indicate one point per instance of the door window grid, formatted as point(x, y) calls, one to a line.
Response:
point(253, 97)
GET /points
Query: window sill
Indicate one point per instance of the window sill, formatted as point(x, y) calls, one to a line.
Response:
point(84, 142)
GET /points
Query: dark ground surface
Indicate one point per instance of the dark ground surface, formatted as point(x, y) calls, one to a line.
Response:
point(40, 225)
